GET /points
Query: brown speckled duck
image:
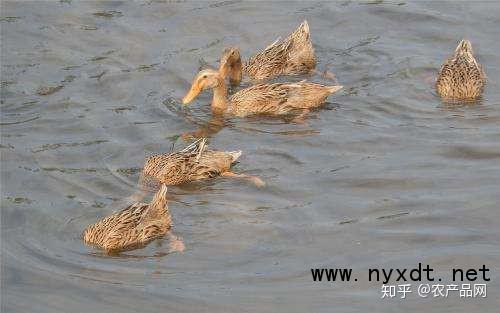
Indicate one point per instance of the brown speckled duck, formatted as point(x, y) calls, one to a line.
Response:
point(292, 56)
point(461, 78)
point(133, 227)
point(195, 162)
point(270, 99)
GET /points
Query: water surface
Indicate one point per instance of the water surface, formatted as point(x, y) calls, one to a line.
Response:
point(384, 176)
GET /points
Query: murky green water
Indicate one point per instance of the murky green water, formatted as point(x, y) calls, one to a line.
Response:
point(384, 176)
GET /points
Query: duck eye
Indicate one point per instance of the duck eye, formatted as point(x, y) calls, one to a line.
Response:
point(204, 76)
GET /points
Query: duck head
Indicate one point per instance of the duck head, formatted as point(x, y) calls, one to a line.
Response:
point(230, 65)
point(205, 79)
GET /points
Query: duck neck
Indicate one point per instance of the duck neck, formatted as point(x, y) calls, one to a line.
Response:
point(233, 69)
point(236, 73)
point(219, 102)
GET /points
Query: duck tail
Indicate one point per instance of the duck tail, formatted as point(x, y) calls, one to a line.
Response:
point(304, 27)
point(334, 89)
point(464, 46)
point(158, 205)
point(302, 32)
point(235, 155)
point(161, 194)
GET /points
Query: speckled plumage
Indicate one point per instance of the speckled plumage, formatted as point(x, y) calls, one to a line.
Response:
point(292, 56)
point(270, 99)
point(133, 227)
point(461, 78)
point(276, 99)
point(195, 162)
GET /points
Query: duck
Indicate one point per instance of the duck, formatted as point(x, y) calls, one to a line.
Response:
point(133, 227)
point(269, 99)
point(292, 56)
point(461, 77)
point(193, 163)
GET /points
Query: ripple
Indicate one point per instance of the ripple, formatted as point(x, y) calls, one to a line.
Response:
point(385, 171)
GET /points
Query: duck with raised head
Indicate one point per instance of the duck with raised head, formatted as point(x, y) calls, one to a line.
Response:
point(133, 227)
point(269, 99)
point(461, 77)
point(195, 162)
point(292, 56)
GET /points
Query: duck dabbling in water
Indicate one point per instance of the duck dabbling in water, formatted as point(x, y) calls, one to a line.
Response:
point(195, 162)
point(292, 56)
point(461, 78)
point(133, 227)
